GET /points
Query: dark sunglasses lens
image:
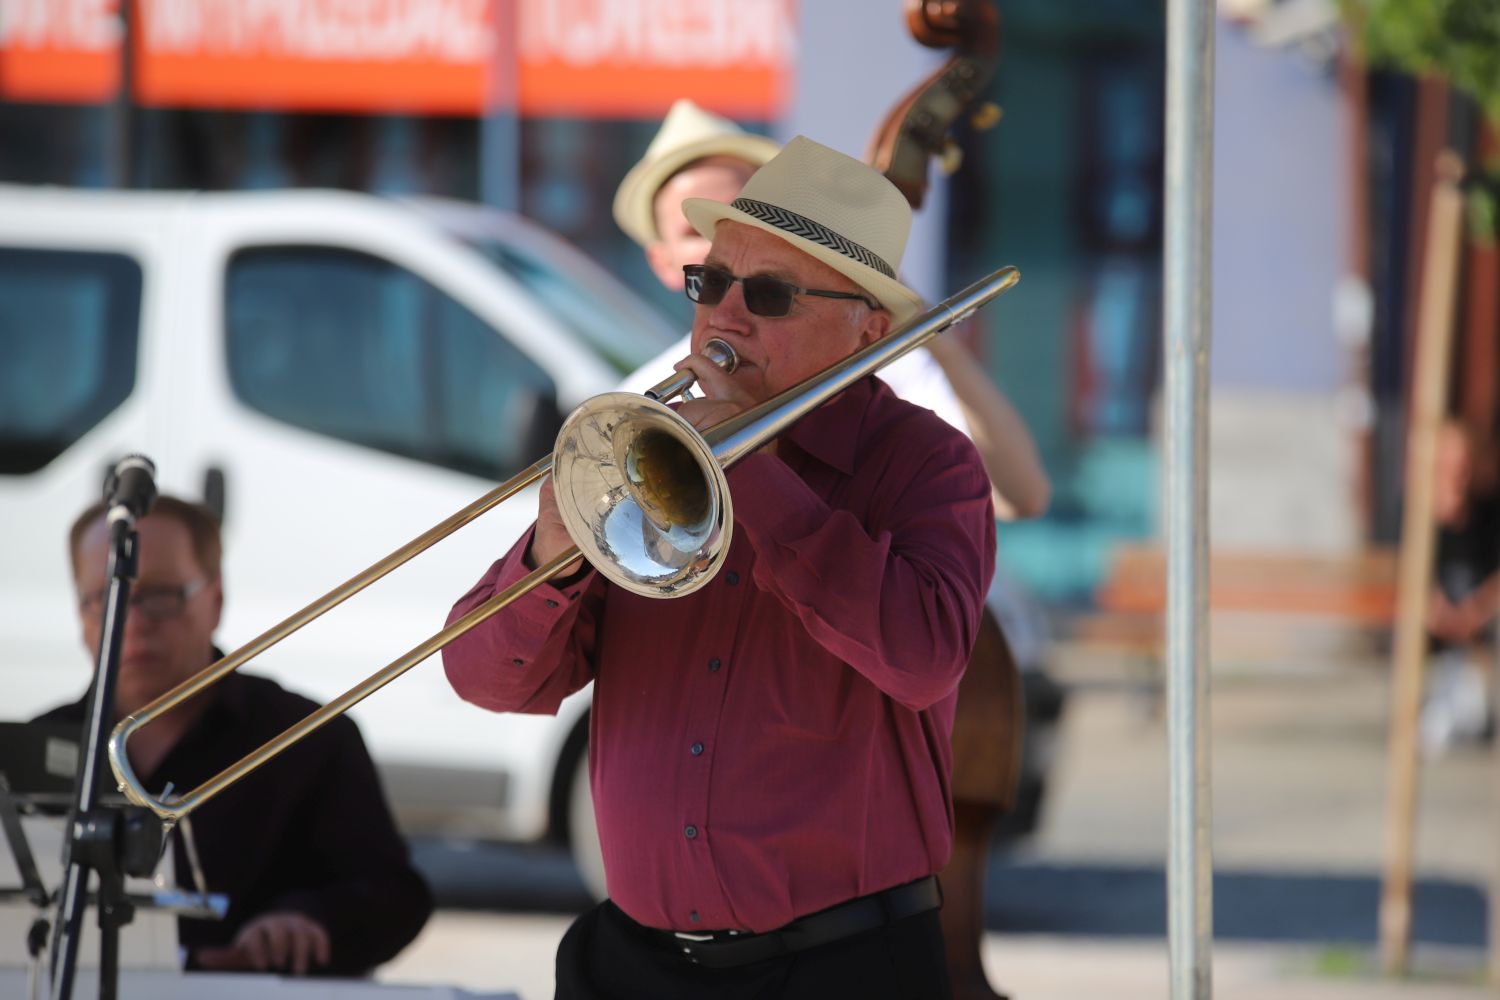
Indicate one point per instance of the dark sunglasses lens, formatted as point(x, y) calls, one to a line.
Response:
point(767, 296)
point(706, 285)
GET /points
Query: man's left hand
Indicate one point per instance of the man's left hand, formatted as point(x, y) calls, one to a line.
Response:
point(287, 941)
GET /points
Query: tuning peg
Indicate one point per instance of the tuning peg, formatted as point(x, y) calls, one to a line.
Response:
point(986, 116)
point(950, 157)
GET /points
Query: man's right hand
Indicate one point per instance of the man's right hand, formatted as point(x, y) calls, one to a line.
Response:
point(551, 539)
point(283, 941)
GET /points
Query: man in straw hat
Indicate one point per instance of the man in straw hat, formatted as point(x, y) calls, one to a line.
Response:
point(770, 755)
point(699, 154)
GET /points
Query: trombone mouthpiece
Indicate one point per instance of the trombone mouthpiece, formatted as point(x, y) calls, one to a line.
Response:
point(721, 354)
point(716, 350)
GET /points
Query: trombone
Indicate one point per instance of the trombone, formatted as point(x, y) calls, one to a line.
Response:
point(641, 491)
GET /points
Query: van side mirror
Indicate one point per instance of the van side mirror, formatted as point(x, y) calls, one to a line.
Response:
point(542, 425)
point(215, 492)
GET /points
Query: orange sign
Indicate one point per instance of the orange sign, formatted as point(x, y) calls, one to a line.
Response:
point(353, 55)
point(633, 58)
point(60, 50)
point(586, 58)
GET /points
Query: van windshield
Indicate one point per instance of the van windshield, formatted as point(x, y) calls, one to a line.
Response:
point(624, 332)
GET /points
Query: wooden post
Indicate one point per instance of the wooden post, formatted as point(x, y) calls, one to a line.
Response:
point(1429, 387)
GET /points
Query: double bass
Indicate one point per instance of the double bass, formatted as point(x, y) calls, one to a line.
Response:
point(990, 719)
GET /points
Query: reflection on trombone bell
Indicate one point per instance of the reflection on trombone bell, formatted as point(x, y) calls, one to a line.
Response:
point(641, 491)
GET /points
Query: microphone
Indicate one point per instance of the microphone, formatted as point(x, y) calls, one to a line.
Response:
point(130, 489)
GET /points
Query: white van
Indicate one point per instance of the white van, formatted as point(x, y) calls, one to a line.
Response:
point(336, 373)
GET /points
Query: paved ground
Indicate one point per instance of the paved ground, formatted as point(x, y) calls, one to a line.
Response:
point(1079, 911)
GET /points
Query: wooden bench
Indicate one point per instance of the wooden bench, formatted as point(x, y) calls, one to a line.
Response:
point(1267, 604)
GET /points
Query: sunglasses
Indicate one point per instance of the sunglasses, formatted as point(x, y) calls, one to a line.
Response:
point(764, 295)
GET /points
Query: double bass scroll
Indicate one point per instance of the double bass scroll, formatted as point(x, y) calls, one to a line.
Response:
point(918, 127)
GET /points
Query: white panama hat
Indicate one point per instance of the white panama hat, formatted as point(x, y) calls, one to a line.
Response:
point(688, 133)
point(833, 208)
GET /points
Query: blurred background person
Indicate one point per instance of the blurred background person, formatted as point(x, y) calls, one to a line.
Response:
point(1465, 594)
point(317, 877)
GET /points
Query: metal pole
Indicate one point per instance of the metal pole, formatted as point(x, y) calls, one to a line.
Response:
point(1494, 897)
point(500, 122)
point(125, 117)
point(1185, 335)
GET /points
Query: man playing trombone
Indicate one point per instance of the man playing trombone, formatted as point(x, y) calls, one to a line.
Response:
point(770, 754)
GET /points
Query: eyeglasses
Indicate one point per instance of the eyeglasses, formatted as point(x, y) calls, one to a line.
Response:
point(156, 603)
point(764, 295)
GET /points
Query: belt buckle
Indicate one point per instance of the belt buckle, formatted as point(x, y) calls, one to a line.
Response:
point(688, 941)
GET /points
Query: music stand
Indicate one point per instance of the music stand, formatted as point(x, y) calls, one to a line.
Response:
point(31, 889)
point(37, 763)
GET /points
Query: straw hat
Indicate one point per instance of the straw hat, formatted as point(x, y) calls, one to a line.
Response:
point(833, 208)
point(688, 133)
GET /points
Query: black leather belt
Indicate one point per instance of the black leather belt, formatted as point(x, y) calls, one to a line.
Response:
point(726, 949)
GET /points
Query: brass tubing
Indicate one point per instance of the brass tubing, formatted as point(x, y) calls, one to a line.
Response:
point(585, 471)
point(212, 674)
point(679, 382)
point(740, 435)
point(729, 442)
point(180, 806)
point(719, 352)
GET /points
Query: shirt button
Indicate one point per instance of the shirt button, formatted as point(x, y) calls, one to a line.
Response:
point(690, 832)
point(551, 603)
point(519, 662)
point(697, 749)
point(714, 664)
point(732, 577)
point(693, 916)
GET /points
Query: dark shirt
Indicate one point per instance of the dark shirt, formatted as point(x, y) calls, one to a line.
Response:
point(778, 741)
point(309, 831)
point(1469, 553)
point(1466, 555)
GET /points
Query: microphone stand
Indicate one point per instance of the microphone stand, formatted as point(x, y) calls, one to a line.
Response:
point(105, 840)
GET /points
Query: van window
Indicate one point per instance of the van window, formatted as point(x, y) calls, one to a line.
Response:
point(356, 348)
point(624, 332)
point(69, 325)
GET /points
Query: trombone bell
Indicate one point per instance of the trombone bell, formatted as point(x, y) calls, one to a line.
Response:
point(642, 495)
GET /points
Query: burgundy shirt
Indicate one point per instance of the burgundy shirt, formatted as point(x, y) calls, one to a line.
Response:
point(778, 741)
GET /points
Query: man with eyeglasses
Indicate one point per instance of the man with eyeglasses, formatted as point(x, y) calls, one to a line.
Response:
point(769, 756)
point(317, 875)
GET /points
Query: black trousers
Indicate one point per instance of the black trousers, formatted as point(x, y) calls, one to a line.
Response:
point(607, 956)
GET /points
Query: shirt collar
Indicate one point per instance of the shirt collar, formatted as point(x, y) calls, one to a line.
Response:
point(831, 432)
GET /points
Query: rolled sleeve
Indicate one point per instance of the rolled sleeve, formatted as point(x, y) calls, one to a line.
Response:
point(532, 654)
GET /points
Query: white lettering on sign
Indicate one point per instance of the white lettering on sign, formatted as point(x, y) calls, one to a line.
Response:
point(67, 25)
point(451, 31)
point(667, 33)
